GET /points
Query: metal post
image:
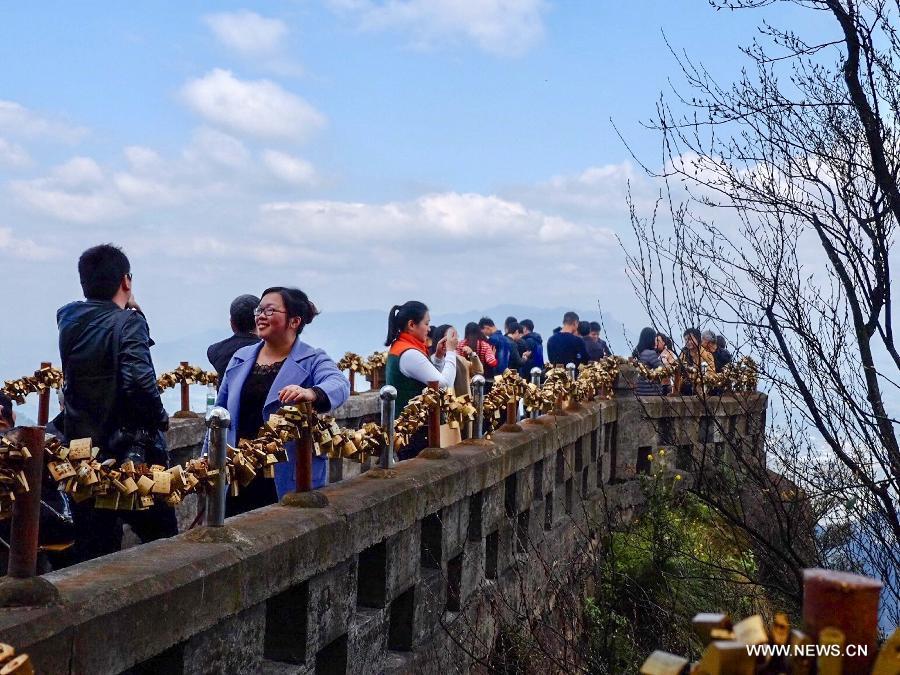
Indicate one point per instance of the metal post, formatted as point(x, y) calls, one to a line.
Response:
point(536, 381)
point(573, 404)
point(434, 422)
point(303, 473)
point(26, 510)
point(185, 392)
point(478, 394)
point(388, 397)
point(219, 421)
point(44, 401)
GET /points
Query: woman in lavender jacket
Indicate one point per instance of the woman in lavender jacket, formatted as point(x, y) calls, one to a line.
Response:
point(280, 370)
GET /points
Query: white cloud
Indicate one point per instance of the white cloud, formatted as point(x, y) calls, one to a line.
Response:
point(13, 155)
point(290, 169)
point(247, 32)
point(78, 172)
point(598, 191)
point(17, 120)
point(25, 249)
point(218, 148)
point(258, 108)
point(80, 191)
point(451, 218)
point(502, 27)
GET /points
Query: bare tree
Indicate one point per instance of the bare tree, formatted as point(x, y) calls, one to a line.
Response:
point(782, 195)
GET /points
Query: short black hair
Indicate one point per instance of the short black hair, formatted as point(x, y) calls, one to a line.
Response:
point(485, 321)
point(101, 269)
point(595, 327)
point(510, 320)
point(527, 323)
point(570, 318)
point(297, 303)
point(693, 331)
point(513, 327)
point(721, 343)
point(6, 409)
point(584, 328)
point(242, 312)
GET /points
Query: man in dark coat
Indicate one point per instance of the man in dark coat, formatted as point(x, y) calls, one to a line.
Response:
point(243, 325)
point(565, 346)
point(110, 394)
point(535, 344)
point(721, 356)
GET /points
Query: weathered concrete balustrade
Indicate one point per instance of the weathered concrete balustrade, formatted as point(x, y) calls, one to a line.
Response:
point(395, 575)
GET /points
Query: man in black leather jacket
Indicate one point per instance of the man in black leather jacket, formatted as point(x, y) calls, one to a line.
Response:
point(110, 393)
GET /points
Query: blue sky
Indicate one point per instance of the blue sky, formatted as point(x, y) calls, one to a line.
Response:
point(456, 151)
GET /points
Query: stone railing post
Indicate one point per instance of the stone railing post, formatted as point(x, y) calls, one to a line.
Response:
point(218, 421)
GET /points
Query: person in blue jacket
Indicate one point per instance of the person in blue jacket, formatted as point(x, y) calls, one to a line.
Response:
point(280, 370)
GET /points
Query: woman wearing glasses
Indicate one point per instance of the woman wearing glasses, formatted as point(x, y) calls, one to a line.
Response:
point(280, 370)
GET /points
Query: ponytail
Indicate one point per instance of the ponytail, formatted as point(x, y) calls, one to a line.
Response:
point(393, 332)
point(400, 315)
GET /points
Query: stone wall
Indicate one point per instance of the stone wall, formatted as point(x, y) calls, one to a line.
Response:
point(414, 573)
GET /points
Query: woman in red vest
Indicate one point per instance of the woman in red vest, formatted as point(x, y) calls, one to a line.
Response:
point(409, 368)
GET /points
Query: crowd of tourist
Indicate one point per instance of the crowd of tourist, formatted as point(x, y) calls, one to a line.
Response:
point(706, 352)
point(110, 391)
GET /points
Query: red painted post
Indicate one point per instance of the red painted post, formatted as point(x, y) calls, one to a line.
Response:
point(44, 401)
point(558, 409)
point(26, 510)
point(303, 474)
point(434, 423)
point(185, 392)
point(512, 412)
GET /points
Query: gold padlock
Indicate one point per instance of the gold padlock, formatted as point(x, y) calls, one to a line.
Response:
point(19, 665)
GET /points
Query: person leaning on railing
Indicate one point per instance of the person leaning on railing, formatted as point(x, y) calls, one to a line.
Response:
point(694, 355)
point(280, 370)
point(409, 368)
point(665, 349)
point(646, 354)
